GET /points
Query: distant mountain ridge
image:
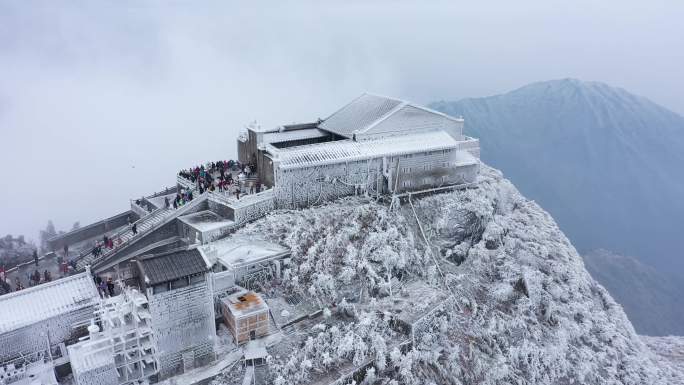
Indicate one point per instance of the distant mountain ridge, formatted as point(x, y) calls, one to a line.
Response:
point(653, 300)
point(607, 164)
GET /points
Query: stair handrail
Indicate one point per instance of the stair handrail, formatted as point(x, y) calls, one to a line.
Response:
point(173, 214)
point(120, 233)
point(115, 235)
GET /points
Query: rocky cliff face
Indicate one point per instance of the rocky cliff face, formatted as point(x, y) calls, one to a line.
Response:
point(516, 305)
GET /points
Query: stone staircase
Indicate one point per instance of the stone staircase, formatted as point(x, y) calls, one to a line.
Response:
point(144, 224)
point(156, 217)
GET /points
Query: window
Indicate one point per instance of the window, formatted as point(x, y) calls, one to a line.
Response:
point(196, 278)
point(445, 178)
point(427, 180)
point(427, 167)
point(406, 170)
point(406, 183)
point(181, 282)
point(445, 164)
point(446, 151)
point(160, 288)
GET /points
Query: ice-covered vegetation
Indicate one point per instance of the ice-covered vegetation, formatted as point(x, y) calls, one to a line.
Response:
point(332, 346)
point(522, 308)
point(351, 242)
point(670, 349)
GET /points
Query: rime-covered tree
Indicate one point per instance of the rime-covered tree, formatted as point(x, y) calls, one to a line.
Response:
point(46, 234)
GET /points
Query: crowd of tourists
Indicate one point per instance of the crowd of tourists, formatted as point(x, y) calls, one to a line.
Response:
point(219, 176)
point(37, 278)
point(182, 197)
point(221, 167)
point(108, 243)
point(33, 279)
point(104, 286)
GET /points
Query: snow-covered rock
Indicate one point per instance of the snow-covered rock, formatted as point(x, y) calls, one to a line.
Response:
point(524, 310)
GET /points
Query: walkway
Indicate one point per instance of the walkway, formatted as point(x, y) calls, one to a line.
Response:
point(123, 237)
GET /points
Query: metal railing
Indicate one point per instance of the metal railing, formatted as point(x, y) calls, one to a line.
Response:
point(172, 214)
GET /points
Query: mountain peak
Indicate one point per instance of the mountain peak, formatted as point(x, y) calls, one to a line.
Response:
point(568, 86)
point(606, 163)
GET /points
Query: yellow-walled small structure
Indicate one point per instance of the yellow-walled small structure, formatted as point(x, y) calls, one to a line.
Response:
point(246, 315)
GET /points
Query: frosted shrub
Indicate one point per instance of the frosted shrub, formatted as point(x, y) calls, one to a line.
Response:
point(346, 343)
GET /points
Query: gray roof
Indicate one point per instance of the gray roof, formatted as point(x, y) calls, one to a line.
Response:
point(373, 114)
point(52, 299)
point(172, 265)
point(360, 113)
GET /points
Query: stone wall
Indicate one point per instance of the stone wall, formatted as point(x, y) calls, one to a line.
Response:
point(166, 231)
point(91, 231)
point(184, 325)
point(221, 208)
point(139, 210)
point(255, 207)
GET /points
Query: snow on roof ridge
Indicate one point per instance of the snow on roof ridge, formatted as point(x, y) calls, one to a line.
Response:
point(34, 305)
point(401, 103)
point(389, 113)
point(346, 105)
point(41, 287)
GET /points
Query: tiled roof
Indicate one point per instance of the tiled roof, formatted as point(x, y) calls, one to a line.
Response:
point(349, 150)
point(369, 114)
point(52, 299)
point(360, 113)
point(172, 265)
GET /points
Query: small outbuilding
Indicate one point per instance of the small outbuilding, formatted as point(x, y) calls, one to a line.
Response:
point(246, 314)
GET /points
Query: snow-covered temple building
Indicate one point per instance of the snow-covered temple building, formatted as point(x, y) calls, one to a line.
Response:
point(374, 145)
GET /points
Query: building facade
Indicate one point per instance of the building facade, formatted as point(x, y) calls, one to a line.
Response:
point(123, 352)
point(374, 146)
point(181, 306)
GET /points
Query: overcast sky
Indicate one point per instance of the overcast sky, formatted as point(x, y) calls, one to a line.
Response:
point(103, 101)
